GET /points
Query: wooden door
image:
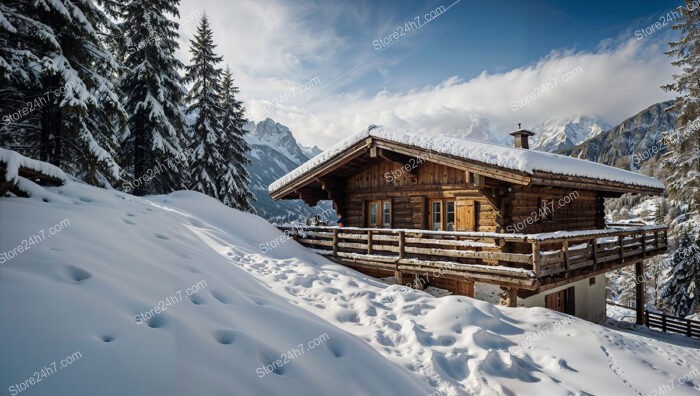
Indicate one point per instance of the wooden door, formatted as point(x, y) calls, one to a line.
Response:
point(465, 213)
point(561, 301)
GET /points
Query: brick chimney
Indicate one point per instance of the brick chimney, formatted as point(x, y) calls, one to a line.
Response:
point(521, 137)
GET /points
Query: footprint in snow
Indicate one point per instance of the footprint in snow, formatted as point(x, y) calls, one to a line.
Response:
point(225, 337)
point(76, 274)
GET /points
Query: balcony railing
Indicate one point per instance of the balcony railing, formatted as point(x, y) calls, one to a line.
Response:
point(515, 259)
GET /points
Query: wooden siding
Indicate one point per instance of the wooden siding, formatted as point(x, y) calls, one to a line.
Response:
point(411, 192)
point(570, 210)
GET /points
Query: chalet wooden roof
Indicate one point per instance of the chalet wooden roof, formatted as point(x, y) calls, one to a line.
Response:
point(508, 164)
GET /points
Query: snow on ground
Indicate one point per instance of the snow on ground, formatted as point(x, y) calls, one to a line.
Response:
point(90, 286)
point(85, 287)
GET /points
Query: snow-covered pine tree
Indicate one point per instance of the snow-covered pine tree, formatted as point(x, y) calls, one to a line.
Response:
point(681, 288)
point(64, 109)
point(154, 144)
point(683, 158)
point(233, 182)
point(661, 211)
point(206, 162)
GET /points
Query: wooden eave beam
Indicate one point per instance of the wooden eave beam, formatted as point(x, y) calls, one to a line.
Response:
point(585, 183)
point(289, 191)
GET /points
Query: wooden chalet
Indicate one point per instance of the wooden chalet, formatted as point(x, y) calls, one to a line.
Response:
point(451, 212)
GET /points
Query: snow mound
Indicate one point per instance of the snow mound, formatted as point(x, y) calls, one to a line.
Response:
point(136, 288)
point(522, 160)
point(93, 285)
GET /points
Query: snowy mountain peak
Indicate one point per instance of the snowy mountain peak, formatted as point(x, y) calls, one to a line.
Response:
point(311, 151)
point(562, 134)
point(275, 135)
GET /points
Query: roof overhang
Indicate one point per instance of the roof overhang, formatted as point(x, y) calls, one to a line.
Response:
point(356, 156)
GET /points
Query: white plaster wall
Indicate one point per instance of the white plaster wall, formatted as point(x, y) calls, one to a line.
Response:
point(590, 300)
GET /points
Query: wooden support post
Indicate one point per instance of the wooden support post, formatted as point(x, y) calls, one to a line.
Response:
point(512, 296)
point(536, 258)
point(594, 252)
point(687, 328)
point(509, 298)
point(335, 241)
point(369, 242)
point(402, 244)
point(565, 249)
point(398, 277)
point(639, 283)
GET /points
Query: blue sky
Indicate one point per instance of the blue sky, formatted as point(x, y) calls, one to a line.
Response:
point(461, 73)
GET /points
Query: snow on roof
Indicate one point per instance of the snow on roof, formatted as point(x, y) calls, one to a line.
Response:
point(517, 159)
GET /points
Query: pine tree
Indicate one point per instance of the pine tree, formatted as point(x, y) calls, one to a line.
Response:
point(206, 162)
point(63, 107)
point(233, 182)
point(683, 158)
point(155, 141)
point(660, 212)
point(679, 291)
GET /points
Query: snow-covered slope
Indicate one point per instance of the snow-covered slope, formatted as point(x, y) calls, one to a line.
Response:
point(556, 134)
point(85, 288)
point(91, 286)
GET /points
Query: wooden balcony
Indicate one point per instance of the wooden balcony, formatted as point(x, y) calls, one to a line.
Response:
point(533, 262)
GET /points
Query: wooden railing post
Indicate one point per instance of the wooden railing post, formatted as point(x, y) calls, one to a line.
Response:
point(594, 252)
point(369, 241)
point(402, 245)
point(536, 258)
point(656, 240)
point(687, 328)
point(620, 240)
point(646, 318)
point(565, 249)
point(640, 297)
point(644, 244)
point(663, 322)
point(335, 241)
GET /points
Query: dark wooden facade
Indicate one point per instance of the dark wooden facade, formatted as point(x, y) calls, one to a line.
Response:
point(410, 197)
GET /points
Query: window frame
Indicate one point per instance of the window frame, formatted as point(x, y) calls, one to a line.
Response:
point(379, 206)
point(443, 203)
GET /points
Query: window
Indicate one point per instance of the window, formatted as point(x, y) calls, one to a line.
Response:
point(450, 215)
point(437, 216)
point(442, 215)
point(591, 281)
point(379, 214)
point(372, 214)
point(386, 214)
point(546, 210)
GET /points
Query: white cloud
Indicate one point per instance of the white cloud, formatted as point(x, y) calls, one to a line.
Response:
point(610, 83)
point(274, 47)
